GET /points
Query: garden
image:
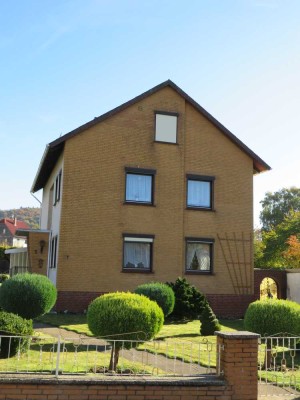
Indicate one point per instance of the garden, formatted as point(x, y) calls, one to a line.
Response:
point(159, 329)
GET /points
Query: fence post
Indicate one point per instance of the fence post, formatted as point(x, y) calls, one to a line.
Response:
point(58, 356)
point(238, 363)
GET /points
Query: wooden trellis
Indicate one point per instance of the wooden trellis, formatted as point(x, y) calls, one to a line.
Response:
point(237, 253)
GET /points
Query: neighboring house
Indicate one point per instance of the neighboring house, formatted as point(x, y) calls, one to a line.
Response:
point(150, 191)
point(8, 236)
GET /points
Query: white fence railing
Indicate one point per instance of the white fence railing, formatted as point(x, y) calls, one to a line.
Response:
point(279, 365)
point(84, 355)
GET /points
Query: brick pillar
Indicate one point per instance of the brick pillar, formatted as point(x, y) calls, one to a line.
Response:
point(238, 362)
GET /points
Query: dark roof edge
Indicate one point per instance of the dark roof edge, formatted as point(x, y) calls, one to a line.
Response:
point(258, 164)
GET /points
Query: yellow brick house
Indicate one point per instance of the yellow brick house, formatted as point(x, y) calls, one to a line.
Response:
point(152, 190)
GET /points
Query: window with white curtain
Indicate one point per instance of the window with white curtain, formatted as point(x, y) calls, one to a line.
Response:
point(200, 192)
point(139, 185)
point(138, 253)
point(199, 255)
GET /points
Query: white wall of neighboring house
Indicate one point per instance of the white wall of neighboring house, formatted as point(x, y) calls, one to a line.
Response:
point(293, 285)
point(19, 242)
point(56, 209)
point(50, 220)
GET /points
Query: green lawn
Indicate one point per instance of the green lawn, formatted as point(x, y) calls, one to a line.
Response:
point(172, 329)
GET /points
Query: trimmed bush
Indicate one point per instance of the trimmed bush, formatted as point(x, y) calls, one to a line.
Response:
point(269, 317)
point(124, 316)
point(28, 295)
point(209, 322)
point(189, 301)
point(159, 292)
point(10, 325)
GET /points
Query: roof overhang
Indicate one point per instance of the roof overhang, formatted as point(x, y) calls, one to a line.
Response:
point(25, 232)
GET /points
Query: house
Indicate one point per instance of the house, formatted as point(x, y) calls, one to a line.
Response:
point(152, 190)
point(8, 228)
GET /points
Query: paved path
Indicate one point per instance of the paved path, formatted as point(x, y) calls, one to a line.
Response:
point(155, 361)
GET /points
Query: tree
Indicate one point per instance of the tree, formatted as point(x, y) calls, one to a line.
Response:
point(276, 206)
point(280, 249)
point(292, 253)
point(125, 320)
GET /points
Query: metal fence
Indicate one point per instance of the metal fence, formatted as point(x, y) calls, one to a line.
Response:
point(83, 355)
point(279, 366)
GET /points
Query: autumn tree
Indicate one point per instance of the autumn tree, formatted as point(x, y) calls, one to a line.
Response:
point(281, 244)
point(292, 253)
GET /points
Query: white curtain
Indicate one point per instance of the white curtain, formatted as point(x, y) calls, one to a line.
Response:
point(138, 187)
point(199, 194)
point(202, 252)
point(137, 255)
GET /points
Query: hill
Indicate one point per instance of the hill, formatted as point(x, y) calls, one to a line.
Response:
point(30, 215)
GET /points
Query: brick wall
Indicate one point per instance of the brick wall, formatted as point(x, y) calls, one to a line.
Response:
point(279, 277)
point(94, 215)
point(230, 306)
point(89, 390)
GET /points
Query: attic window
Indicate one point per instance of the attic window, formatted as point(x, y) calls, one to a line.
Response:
point(166, 127)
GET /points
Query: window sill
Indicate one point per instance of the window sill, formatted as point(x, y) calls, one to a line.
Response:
point(137, 270)
point(136, 203)
point(201, 209)
point(161, 141)
point(199, 273)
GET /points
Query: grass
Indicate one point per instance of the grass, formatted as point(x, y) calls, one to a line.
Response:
point(188, 330)
point(41, 357)
point(181, 340)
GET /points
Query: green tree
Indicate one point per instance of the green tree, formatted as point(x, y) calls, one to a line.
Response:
point(276, 206)
point(276, 242)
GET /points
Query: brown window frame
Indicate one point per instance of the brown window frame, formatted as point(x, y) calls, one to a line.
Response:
point(201, 178)
point(140, 171)
point(210, 242)
point(171, 114)
point(138, 236)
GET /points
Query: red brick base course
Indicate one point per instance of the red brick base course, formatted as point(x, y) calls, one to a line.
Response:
point(224, 305)
point(83, 389)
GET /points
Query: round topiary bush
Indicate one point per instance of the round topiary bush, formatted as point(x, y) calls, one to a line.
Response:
point(124, 316)
point(13, 325)
point(28, 295)
point(159, 292)
point(268, 317)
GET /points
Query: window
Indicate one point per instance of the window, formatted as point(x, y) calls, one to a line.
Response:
point(57, 188)
point(137, 252)
point(53, 252)
point(139, 185)
point(166, 127)
point(199, 255)
point(200, 192)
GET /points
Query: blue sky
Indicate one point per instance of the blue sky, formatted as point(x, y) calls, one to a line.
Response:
point(65, 62)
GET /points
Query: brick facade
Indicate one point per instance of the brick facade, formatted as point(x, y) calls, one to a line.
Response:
point(94, 216)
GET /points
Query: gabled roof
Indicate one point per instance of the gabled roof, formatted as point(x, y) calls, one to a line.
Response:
point(13, 224)
point(55, 148)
